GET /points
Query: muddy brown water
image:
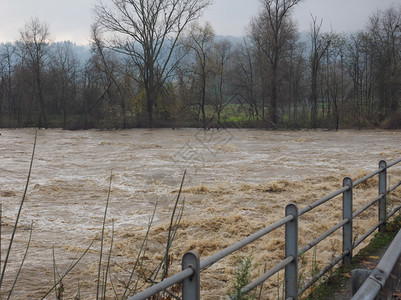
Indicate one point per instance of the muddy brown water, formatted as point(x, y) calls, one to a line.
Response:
point(237, 182)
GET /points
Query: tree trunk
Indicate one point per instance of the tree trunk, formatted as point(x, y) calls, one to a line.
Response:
point(41, 103)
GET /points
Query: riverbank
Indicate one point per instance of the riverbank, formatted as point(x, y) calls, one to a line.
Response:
point(339, 285)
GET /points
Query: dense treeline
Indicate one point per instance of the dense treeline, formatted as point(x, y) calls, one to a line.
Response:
point(161, 68)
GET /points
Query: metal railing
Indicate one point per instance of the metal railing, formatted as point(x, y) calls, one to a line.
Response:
point(192, 266)
point(381, 281)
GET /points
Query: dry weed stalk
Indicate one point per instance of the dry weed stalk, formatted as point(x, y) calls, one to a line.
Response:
point(69, 269)
point(3, 272)
point(101, 249)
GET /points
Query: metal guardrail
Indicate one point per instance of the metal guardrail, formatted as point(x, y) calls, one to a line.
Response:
point(192, 266)
point(380, 282)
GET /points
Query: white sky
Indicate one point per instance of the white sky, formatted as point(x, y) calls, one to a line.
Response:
point(71, 19)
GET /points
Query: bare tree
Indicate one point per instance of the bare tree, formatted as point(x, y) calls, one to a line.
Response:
point(335, 85)
point(109, 65)
point(318, 48)
point(34, 45)
point(272, 30)
point(385, 37)
point(7, 68)
point(200, 44)
point(294, 83)
point(245, 77)
point(148, 32)
point(64, 70)
point(223, 53)
point(360, 69)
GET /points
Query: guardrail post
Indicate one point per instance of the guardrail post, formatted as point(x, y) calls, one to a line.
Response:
point(347, 214)
point(383, 191)
point(291, 249)
point(191, 285)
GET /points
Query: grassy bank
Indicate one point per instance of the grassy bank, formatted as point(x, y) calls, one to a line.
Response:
point(366, 257)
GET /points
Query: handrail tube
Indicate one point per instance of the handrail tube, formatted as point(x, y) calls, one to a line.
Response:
point(230, 249)
point(323, 200)
point(360, 180)
point(261, 279)
point(370, 290)
point(394, 187)
point(335, 261)
point(374, 283)
point(369, 232)
point(394, 211)
point(161, 286)
point(393, 163)
point(366, 206)
point(322, 236)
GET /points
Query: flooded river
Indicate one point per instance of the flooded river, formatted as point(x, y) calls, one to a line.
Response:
point(237, 182)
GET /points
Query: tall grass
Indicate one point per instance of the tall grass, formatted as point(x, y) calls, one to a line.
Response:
point(160, 272)
point(101, 243)
point(74, 263)
point(3, 272)
point(22, 263)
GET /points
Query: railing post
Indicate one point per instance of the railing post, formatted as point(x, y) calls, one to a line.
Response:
point(191, 285)
point(347, 214)
point(291, 249)
point(383, 191)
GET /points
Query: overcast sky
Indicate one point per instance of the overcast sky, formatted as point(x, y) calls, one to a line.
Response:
point(71, 19)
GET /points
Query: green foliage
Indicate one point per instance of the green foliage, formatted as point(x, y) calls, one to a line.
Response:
point(336, 280)
point(315, 269)
point(302, 264)
point(242, 279)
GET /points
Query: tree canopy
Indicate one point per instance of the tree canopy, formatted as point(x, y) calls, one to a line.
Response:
point(150, 63)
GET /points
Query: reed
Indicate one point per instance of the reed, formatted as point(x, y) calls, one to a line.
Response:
point(3, 272)
point(102, 242)
point(22, 263)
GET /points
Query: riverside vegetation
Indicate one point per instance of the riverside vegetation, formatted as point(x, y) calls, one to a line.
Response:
point(189, 77)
